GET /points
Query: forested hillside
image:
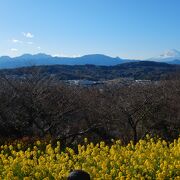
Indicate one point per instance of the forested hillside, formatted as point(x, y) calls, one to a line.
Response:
point(137, 70)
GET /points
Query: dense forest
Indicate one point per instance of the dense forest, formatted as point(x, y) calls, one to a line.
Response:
point(39, 106)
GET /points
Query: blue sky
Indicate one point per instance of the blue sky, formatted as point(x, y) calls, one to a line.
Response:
point(126, 28)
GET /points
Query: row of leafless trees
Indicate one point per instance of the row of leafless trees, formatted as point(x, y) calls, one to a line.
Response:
point(37, 106)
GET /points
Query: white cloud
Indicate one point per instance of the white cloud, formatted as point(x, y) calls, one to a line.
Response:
point(38, 47)
point(76, 55)
point(56, 55)
point(14, 49)
point(66, 55)
point(16, 41)
point(28, 35)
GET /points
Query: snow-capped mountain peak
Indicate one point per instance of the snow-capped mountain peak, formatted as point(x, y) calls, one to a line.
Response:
point(169, 55)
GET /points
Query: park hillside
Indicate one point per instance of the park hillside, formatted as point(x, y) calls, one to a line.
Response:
point(114, 122)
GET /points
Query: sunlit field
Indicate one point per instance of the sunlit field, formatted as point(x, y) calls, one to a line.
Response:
point(148, 159)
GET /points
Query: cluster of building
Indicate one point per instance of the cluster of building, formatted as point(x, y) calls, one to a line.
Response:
point(122, 81)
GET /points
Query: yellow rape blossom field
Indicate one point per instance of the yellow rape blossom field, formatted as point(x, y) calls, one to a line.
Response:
point(148, 159)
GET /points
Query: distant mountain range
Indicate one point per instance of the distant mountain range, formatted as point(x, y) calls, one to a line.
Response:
point(44, 59)
point(26, 60)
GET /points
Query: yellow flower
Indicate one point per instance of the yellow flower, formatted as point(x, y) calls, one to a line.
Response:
point(149, 159)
